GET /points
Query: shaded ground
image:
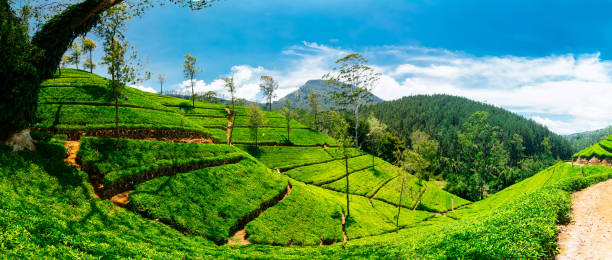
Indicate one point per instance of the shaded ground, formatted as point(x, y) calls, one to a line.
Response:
point(589, 236)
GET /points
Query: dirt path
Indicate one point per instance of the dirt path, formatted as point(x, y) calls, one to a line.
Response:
point(589, 236)
point(72, 147)
point(240, 237)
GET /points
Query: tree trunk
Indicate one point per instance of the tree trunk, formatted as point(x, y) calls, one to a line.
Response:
point(373, 166)
point(117, 121)
point(399, 206)
point(90, 61)
point(256, 136)
point(347, 184)
point(192, 93)
point(357, 126)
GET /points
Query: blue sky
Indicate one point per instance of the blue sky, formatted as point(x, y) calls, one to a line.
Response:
point(546, 60)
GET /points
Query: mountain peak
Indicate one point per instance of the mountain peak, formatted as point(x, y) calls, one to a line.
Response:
point(299, 98)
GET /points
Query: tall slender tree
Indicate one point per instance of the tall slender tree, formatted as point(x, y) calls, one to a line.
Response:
point(89, 46)
point(354, 81)
point(268, 86)
point(162, 78)
point(256, 120)
point(122, 69)
point(375, 136)
point(65, 61)
point(315, 107)
point(289, 115)
point(231, 88)
point(338, 128)
point(75, 54)
point(190, 71)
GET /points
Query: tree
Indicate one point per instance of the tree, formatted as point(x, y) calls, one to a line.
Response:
point(268, 86)
point(65, 61)
point(375, 135)
point(75, 55)
point(89, 46)
point(354, 81)
point(231, 88)
point(338, 128)
point(427, 148)
point(315, 107)
point(190, 71)
point(25, 66)
point(256, 120)
point(482, 152)
point(289, 115)
point(121, 68)
point(208, 96)
point(162, 78)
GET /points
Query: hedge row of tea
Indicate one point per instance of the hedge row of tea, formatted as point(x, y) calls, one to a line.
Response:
point(368, 176)
point(601, 150)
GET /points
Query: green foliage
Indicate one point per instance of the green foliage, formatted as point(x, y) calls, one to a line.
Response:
point(190, 71)
point(20, 77)
point(209, 201)
point(268, 86)
point(367, 182)
point(581, 141)
point(277, 157)
point(601, 150)
point(313, 216)
point(331, 171)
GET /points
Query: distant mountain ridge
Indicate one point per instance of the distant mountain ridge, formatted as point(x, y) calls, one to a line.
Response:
point(299, 98)
point(580, 141)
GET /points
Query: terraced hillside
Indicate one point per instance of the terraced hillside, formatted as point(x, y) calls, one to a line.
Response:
point(192, 200)
point(79, 103)
point(597, 154)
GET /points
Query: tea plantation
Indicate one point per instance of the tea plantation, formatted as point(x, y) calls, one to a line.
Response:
point(288, 199)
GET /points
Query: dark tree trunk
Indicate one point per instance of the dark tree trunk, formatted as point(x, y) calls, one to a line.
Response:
point(347, 184)
point(399, 206)
point(90, 61)
point(117, 121)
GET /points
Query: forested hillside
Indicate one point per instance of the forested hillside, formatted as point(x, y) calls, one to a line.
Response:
point(524, 146)
point(580, 141)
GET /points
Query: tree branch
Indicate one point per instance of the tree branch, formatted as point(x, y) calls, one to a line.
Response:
point(57, 34)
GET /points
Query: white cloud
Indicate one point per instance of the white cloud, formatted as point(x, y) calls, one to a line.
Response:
point(576, 88)
point(144, 88)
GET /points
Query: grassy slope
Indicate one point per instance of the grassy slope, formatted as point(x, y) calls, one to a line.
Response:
point(600, 150)
point(78, 100)
point(48, 209)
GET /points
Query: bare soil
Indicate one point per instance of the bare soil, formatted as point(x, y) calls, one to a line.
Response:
point(72, 147)
point(589, 235)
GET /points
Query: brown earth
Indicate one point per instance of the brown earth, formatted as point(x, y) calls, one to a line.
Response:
point(589, 235)
point(72, 147)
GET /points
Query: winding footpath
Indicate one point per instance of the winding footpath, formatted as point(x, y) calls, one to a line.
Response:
point(589, 236)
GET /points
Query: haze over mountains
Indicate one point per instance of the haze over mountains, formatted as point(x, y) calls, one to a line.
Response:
point(299, 98)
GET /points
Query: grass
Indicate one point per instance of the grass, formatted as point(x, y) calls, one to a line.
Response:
point(367, 181)
point(319, 174)
point(278, 157)
point(209, 201)
point(433, 199)
point(313, 216)
point(278, 135)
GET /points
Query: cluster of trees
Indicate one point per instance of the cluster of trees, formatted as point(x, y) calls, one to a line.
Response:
point(77, 50)
point(516, 148)
point(29, 56)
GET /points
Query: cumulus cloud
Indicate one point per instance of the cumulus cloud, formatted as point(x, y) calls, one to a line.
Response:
point(144, 88)
point(567, 93)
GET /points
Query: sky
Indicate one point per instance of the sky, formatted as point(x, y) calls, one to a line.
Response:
point(546, 60)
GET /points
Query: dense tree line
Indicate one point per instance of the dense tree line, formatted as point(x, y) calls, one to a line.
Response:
point(482, 148)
